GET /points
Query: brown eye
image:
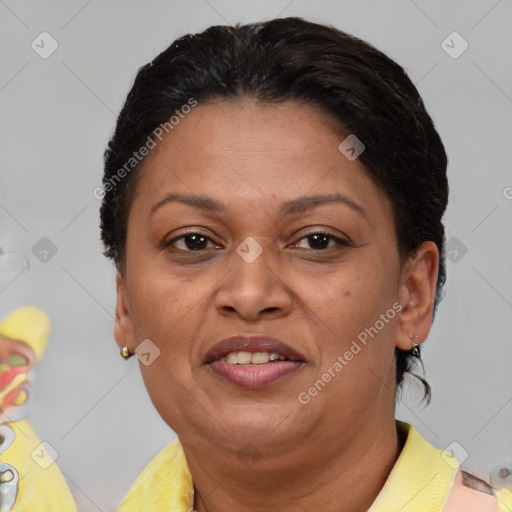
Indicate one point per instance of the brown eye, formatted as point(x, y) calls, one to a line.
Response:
point(320, 241)
point(191, 242)
point(18, 360)
point(194, 242)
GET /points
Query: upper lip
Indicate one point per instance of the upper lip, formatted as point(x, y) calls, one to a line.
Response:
point(251, 343)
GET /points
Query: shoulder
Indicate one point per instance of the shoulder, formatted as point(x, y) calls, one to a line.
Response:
point(449, 488)
point(470, 493)
point(164, 484)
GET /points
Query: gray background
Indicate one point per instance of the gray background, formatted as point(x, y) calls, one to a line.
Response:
point(57, 114)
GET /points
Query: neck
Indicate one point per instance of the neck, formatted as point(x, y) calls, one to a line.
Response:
point(327, 477)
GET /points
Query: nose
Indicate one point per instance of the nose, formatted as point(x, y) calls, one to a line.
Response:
point(253, 288)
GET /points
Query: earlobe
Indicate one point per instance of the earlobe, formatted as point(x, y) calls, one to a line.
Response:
point(123, 328)
point(417, 295)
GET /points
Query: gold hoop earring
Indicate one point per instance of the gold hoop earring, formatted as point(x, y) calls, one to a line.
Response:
point(125, 352)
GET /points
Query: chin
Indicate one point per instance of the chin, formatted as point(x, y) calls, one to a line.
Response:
point(270, 428)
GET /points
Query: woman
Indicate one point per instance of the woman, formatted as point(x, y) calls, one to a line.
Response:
point(273, 203)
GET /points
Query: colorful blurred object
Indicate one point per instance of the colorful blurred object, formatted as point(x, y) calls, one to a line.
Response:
point(30, 480)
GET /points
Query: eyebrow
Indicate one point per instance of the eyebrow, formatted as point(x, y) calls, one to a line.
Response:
point(291, 207)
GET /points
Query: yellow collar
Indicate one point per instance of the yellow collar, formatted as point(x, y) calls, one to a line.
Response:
point(420, 480)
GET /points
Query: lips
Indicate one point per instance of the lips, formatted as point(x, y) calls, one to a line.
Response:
point(251, 375)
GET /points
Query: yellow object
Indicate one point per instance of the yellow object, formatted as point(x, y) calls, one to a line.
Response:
point(28, 324)
point(21, 398)
point(505, 500)
point(8, 476)
point(41, 485)
point(421, 481)
point(30, 480)
point(165, 484)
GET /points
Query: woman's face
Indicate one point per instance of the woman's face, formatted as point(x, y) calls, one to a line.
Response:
point(196, 275)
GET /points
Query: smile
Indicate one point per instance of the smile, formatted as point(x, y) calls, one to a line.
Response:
point(253, 361)
point(242, 357)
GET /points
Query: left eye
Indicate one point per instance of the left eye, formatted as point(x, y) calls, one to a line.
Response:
point(321, 240)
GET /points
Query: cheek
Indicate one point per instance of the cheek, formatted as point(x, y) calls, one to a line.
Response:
point(354, 296)
point(163, 389)
point(160, 302)
point(168, 310)
point(349, 324)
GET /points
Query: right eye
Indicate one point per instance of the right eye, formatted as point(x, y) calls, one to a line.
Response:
point(193, 242)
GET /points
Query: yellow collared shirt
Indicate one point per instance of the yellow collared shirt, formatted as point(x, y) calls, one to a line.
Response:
point(423, 479)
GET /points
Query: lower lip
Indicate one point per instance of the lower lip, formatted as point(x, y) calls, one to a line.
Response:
point(255, 376)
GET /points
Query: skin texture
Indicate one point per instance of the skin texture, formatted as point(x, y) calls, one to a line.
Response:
point(252, 158)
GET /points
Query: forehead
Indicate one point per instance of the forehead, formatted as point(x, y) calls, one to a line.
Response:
point(222, 132)
point(266, 153)
point(255, 159)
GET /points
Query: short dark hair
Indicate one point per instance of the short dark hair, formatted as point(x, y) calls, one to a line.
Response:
point(294, 59)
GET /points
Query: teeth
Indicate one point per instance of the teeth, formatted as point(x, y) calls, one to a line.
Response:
point(259, 357)
point(243, 357)
point(231, 358)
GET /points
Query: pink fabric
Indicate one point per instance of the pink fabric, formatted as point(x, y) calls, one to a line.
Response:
point(465, 499)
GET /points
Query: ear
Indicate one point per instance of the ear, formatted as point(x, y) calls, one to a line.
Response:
point(417, 294)
point(123, 328)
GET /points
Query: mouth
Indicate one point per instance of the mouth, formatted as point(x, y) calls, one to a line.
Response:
point(253, 361)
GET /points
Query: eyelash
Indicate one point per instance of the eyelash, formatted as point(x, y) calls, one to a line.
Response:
point(338, 241)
